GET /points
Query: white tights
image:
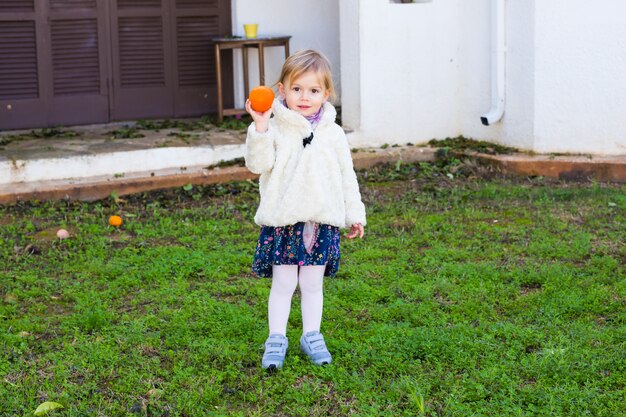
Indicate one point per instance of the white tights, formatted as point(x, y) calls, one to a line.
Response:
point(284, 282)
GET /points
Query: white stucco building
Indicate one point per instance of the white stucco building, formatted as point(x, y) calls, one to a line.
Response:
point(405, 73)
point(414, 72)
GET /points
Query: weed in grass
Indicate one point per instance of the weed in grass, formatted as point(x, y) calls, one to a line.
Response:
point(239, 123)
point(126, 132)
point(461, 143)
point(45, 133)
point(233, 162)
point(6, 139)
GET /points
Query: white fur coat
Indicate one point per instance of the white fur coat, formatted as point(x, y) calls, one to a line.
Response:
point(298, 184)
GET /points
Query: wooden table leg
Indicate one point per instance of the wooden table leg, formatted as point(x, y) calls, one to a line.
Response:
point(246, 82)
point(218, 74)
point(261, 65)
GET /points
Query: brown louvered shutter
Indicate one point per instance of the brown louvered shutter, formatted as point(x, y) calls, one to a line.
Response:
point(75, 61)
point(197, 22)
point(78, 62)
point(142, 61)
point(21, 101)
point(53, 70)
point(142, 70)
point(16, 6)
point(194, 63)
point(163, 59)
point(18, 66)
point(72, 4)
point(18, 49)
point(89, 61)
point(136, 4)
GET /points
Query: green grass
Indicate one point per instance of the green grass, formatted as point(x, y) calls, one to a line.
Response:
point(467, 297)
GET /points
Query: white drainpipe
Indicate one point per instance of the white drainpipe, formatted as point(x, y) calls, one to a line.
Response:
point(498, 50)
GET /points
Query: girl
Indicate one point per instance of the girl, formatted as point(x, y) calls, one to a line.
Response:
point(308, 192)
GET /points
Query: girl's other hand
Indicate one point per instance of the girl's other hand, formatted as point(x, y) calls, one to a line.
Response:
point(355, 230)
point(261, 119)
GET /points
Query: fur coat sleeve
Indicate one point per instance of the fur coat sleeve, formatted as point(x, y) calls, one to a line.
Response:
point(260, 151)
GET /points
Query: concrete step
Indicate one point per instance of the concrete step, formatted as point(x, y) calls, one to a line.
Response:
point(121, 163)
point(564, 167)
point(93, 151)
point(88, 188)
point(93, 187)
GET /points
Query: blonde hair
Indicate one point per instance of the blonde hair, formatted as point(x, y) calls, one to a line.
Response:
point(305, 61)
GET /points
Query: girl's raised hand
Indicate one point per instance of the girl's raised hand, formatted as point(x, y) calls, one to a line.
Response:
point(261, 119)
point(355, 230)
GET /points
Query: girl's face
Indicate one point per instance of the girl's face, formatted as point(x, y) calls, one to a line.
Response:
point(305, 94)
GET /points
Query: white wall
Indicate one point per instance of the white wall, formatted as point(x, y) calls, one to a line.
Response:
point(423, 72)
point(312, 25)
point(350, 48)
point(580, 95)
point(517, 126)
point(408, 71)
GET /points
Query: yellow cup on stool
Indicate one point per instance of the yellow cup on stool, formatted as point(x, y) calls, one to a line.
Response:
point(250, 29)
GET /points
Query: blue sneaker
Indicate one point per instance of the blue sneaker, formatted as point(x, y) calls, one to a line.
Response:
point(275, 351)
point(314, 346)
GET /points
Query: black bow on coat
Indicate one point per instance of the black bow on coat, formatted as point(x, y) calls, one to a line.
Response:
point(307, 141)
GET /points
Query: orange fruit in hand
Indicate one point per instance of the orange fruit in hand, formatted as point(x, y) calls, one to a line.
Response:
point(261, 98)
point(115, 221)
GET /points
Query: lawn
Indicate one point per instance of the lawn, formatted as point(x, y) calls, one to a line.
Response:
point(472, 294)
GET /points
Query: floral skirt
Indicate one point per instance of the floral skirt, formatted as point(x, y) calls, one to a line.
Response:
point(286, 246)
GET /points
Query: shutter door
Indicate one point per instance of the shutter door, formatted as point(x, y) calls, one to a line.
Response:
point(21, 97)
point(68, 62)
point(53, 69)
point(78, 76)
point(142, 59)
point(196, 22)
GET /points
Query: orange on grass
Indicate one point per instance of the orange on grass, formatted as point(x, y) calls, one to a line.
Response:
point(261, 98)
point(115, 221)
